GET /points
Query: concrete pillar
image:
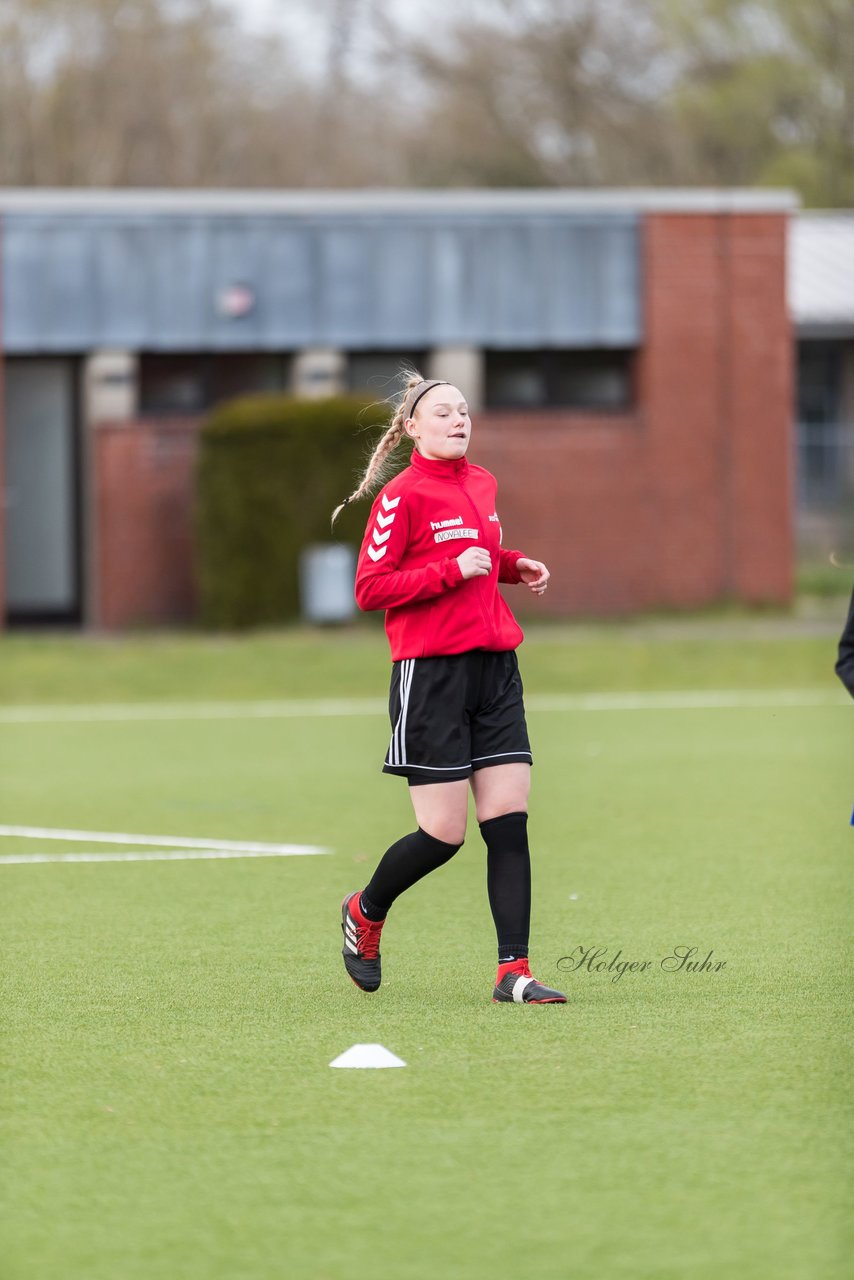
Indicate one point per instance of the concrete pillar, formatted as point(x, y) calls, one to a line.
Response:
point(465, 367)
point(319, 372)
point(110, 387)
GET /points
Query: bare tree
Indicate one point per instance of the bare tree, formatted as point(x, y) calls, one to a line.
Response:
point(99, 92)
point(765, 93)
point(504, 93)
point(545, 92)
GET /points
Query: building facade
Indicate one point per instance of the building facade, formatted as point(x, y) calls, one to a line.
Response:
point(821, 300)
point(627, 355)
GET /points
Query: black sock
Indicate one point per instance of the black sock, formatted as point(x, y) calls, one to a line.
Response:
point(508, 882)
point(400, 867)
point(370, 909)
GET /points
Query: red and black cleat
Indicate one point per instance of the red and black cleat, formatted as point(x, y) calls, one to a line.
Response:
point(514, 985)
point(361, 950)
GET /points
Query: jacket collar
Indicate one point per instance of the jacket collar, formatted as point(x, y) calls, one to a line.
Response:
point(440, 468)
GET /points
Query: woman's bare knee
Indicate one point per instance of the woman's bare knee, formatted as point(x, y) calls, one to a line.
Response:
point(441, 809)
point(502, 789)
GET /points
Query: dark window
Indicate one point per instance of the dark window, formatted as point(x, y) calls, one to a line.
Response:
point(193, 383)
point(819, 384)
point(379, 371)
point(824, 441)
point(569, 379)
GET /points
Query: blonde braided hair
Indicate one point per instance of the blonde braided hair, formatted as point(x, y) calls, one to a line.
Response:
point(378, 470)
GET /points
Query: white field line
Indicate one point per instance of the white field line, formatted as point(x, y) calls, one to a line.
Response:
point(212, 848)
point(664, 700)
point(687, 700)
point(161, 855)
point(116, 711)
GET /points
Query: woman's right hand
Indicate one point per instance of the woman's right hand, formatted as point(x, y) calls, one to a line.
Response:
point(475, 562)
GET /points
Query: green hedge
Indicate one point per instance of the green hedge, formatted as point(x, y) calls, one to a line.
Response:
point(271, 470)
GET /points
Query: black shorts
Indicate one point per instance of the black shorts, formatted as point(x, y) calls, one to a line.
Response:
point(453, 715)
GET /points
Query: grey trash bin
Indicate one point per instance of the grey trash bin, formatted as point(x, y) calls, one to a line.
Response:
point(327, 573)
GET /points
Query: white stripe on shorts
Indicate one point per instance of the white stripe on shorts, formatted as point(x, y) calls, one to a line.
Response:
point(438, 768)
point(498, 754)
point(392, 747)
point(397, 748)
point(404, 709)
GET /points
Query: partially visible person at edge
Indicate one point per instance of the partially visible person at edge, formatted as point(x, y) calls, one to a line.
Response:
point(845, 661)
point(432, 558)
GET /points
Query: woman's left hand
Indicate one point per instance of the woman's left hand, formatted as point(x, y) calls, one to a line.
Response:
point(534, 574)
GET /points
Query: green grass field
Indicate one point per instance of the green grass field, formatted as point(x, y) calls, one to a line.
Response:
point(169, 1107)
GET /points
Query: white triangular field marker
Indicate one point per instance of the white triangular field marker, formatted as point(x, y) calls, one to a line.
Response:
point(367, 1055)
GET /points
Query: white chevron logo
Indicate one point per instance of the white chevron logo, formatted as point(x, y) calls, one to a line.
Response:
point(382, 520)
point(380, 538)
point(390, 503)
point(377, 555)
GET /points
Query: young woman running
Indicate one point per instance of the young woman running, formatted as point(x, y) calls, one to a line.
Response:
point(431, 557)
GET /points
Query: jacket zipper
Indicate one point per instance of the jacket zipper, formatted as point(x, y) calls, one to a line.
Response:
point(480, 524)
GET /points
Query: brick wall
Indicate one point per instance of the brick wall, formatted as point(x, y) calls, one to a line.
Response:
point(572, 491)
point(685, 501)
point(143, 512)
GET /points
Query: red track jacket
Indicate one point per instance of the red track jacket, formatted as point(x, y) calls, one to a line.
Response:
point(420, 522)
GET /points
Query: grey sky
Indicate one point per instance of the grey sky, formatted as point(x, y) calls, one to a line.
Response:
point(307, 22)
